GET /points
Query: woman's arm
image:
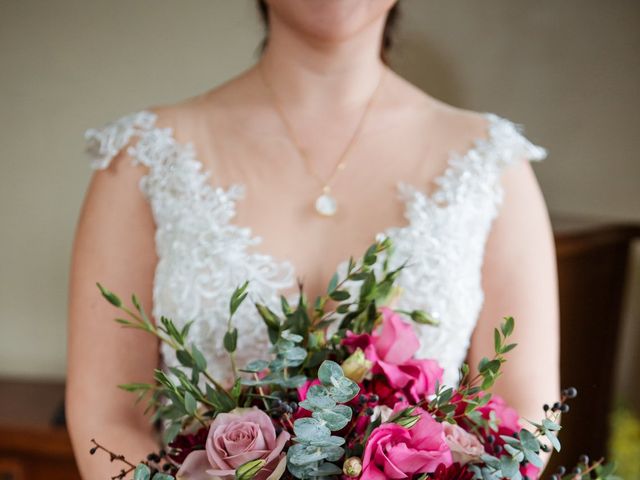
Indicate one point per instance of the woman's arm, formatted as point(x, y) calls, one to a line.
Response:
point(113, 245)
point(520, 280)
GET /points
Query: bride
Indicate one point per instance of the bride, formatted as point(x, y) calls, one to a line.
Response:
point(283, 172)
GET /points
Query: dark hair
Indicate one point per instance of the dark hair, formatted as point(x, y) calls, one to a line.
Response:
point(388, 35)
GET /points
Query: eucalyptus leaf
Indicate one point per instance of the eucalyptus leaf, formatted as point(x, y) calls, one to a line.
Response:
point(335, 418)
point(311, 429)
point(329, 371)
point(142, 472)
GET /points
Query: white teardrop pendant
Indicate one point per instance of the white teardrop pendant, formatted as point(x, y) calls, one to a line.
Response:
point(326, 205)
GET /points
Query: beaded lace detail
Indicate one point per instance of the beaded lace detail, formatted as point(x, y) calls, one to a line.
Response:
point(203, 256)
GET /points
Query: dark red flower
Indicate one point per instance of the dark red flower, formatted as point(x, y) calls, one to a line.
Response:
point(455, 471)
point(183, 445)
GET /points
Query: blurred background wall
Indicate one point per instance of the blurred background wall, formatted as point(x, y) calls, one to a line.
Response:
point(569, 71)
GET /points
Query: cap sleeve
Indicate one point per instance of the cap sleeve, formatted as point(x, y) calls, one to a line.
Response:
point(511, 145)
point(103, 143)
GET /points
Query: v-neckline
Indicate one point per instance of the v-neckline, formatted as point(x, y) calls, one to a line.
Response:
point(406, 192)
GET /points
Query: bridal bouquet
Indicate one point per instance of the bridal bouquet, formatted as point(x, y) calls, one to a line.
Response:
point(341, 395)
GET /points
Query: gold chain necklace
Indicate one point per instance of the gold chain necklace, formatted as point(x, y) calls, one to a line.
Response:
point(326, 204)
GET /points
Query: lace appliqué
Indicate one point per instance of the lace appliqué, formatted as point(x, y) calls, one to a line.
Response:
point(203, 255)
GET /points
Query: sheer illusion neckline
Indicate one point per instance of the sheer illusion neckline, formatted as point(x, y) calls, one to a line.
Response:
point(438, 198)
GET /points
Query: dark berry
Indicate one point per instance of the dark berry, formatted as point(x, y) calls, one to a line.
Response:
point(561, 470)
point(368, 412)
point(576, 471)
point(153, 457)
point(93, 450)
point(584, 459)
point(556, 406)
point(545, 407)
point(564, 408)
point(166, 467)
point(571, 392)
point(294, 406)
point(374, 398)
point(491, 438)
point(555, 477)
point(362, 399)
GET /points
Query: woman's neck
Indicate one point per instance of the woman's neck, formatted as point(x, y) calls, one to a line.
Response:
point(313, 74)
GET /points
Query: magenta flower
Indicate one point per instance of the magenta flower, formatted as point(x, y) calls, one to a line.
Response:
point(395, 452)
point(392, 351)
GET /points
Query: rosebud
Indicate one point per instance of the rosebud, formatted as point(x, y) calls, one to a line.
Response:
point(249, 470)
point(352, 467)
point(356, 366)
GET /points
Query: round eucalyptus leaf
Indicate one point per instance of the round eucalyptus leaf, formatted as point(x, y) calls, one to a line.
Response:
point(336, 418)
point(311, 429)
point(329, 372)
point(318, 397)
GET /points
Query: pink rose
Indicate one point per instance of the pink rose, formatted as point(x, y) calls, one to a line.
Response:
point(392, 351)
point(508, 418)
point(394, 452)
point(464, 446)
point(235, 438)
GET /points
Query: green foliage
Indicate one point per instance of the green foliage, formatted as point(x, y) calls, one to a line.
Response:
point(178, 392)
point(143, 472)
point(315, 447)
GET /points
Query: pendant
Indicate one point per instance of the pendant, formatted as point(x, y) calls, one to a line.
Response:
point(326, 205)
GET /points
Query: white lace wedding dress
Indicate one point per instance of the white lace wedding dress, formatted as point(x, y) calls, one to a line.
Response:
point(203, 255)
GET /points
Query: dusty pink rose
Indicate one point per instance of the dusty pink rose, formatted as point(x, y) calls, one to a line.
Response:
point(396, 452)
point(392, 350)
point(464, 446)
point(235, 438)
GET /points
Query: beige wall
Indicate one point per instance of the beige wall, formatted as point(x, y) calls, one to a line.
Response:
point(566, 69)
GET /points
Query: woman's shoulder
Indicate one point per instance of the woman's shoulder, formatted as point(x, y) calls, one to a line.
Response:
point(463, 130)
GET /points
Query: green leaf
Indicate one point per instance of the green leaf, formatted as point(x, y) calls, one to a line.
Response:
point(318, 398)
point(497, 340)
point(339, 295)
point(256, 366)
point(329, 371)
point(550, 425)
point(335, 418)
point(190, 404)
point(508, 348)
point(238, 297)
point(553, 439)
point(201, 362)
point(286, 308)
point(111, 297)
point(533, 458)
point(142, 472)
point(529, 441)
point(370, 255)
point(269, 318)
point(507, 326)
point(309, 428)
point(508, 466)
point(184, 358)
point(333, 283)
point(171, 432)
point(162, 476)
point(231, 340)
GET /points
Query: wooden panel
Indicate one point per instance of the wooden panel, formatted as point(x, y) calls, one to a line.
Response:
point(592, 269)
